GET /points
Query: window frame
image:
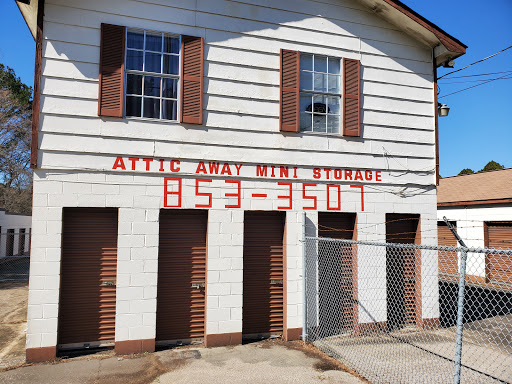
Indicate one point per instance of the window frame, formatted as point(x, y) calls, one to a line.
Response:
point(326, 94)
point(144, 73)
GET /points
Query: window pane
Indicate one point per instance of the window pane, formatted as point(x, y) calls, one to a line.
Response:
point(305, 102)
point(134, 84)
point(334, 84)
point(135, 40)
point(169, 110)
point(306, 80)
point(153, 42)
point(171, 64)
point(334, 105)
point(134, 60)
point(333, 124)
point(334, 65)
point(152, 86)
point(171, 45)
point(153, 62)
point(133, 106)
point(170, 88)
point(320, 82)
point(319, 123)
point(305, 121)
point(151, 108)
point(320, 64)
point(320, 104)
point(306, 62)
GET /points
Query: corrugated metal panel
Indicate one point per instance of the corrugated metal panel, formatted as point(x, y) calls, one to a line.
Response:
point(448, 261)
point(402, 270)
point(499, 267)
point(338, 292)
point(263, 296)
point(181, 263)
point(88, 275)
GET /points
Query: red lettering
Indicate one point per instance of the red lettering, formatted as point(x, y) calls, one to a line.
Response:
point(273, 169)
point(214, 168)
point(305, 197)
point(377, 176)
point(167, 192)
point(119, 163)
point(368, 175)
point(295, 172)
point(238, 167)
point(348, 174)
point(147, 161)
point(238, 194)
point(362, 194)
point(316, 173)
point(226, 169)
point(134, 161)
point(261, 170)
point(209, 195)
point(327, 173)
point(201, 168)
point(175, 165)
point(359, 175)
point(338, 174)
point(283, 172)
point(329, 208)
point(162, 165)
point(289, 197)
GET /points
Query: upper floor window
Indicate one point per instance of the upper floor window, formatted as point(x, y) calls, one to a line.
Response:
point(152, 70)
point(320, 93)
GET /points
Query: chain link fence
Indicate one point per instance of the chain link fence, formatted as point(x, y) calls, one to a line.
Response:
point(14, 255)
point(389, 311)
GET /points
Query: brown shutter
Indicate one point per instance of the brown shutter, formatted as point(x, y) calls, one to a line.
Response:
point(289, 98)
point(351, 97)
point(110, 101)
point(192, 80)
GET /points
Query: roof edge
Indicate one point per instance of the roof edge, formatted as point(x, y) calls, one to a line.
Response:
point(474, 202)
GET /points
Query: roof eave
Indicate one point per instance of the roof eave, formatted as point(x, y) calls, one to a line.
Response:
point(28, 9)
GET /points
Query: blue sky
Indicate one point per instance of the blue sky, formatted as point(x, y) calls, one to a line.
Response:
point(479, 128)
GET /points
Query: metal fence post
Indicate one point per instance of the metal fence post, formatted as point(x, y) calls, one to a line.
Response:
point(460, 304)
point(304, 282)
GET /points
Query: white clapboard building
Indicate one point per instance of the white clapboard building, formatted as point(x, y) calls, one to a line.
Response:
point(180, 147)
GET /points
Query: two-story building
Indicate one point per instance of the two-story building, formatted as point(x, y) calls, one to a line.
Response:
point(181, 147)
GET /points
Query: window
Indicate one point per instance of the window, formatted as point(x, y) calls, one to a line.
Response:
point(320, 93)
point(152, 70)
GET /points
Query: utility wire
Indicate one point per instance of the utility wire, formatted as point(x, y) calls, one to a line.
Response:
point(478, 81)
point(476, 62)
point(480, 74)
point(465, 89)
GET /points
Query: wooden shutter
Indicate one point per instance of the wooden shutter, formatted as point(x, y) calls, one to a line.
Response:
point(289, 98)
point(110, 101)
point(192, 80)
point(351, 97)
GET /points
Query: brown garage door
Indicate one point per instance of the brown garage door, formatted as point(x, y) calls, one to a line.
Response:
point(88, 276)
point(448, 261)
point(403, 270)
point(181, 275)
point(263, 297)
point(337, 273)
point(498, 267)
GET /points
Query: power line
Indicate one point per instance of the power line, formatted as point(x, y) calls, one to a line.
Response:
point(476, 62)
point(476, 81)
point(480, 74)
point(477, 85)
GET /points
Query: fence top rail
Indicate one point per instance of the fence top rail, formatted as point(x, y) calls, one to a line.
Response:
point(496, 251)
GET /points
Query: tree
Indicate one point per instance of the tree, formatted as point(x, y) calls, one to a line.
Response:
point(15, 136)
point(492, 166)
point(466, 171)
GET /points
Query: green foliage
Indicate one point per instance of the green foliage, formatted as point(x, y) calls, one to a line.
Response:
point(9, 82)
point(492, 166)
point(466, 171)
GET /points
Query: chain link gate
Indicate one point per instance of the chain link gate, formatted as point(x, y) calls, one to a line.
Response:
point(14, 255)
point(389, 311)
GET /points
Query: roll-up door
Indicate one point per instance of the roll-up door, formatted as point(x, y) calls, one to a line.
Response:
point(87, 308)
point(447, 260)
point(263, 294)
point(499, 267)
point(337, 273)
point(403, 271)
point(181, 275)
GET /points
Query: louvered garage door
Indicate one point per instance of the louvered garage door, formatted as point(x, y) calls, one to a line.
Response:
point(88, 276)
point(499, 267)
point(263, 273)
point(181, 275)
point(338, 273)
point(448, 261)
point(403, 270)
